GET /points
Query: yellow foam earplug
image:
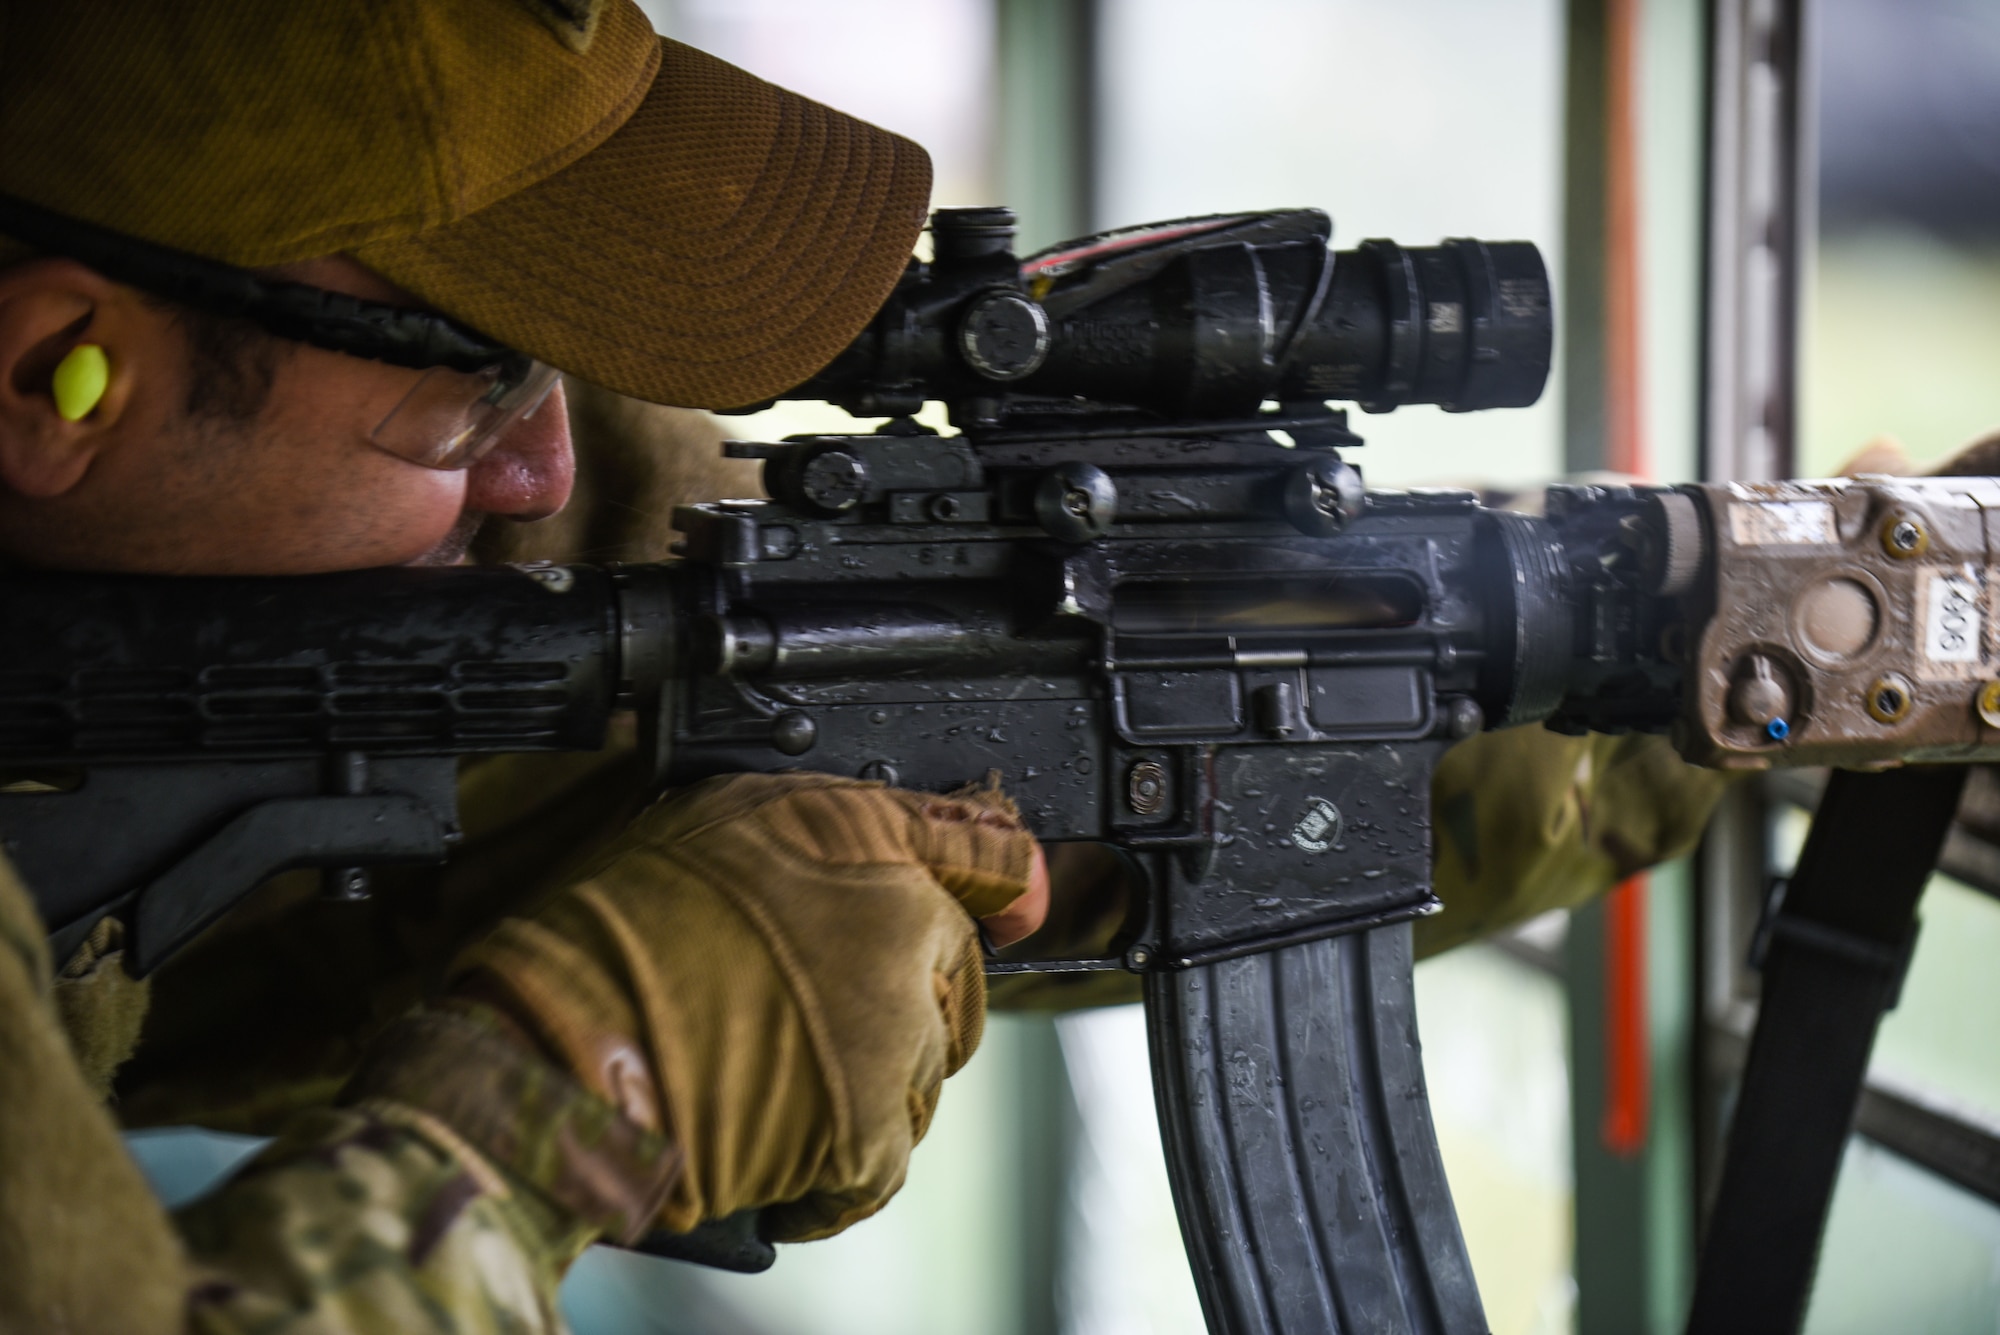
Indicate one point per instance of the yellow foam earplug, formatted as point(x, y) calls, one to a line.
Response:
point(80, 381)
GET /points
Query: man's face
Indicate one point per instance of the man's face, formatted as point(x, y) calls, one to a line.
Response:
point(144, 483)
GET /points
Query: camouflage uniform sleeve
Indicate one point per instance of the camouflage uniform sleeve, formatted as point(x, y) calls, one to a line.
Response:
point(450, 1197)
point(447, 1198)
point(72, 1196)
point(373, 1220)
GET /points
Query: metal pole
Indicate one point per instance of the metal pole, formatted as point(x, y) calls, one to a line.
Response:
point(1047, 150)
point(1045, 170)
point(1760, 221)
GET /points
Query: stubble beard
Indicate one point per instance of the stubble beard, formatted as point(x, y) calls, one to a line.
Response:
point(451, 549)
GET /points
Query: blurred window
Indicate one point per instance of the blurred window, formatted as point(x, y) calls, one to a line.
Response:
point(1903, 343)
point(1414, 121)
point(1903, 338)
point(923, 68)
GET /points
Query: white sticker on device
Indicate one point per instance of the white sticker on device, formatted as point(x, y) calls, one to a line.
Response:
point(1954, 616)
point(1782, 523)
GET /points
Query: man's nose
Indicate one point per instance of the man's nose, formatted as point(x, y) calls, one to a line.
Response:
point(528, 474)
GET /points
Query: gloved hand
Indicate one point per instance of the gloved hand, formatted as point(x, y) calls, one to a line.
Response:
point(1526, 820)
point(1979, 457)
point(775, 971)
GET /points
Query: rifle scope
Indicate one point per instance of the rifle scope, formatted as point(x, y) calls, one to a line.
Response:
point(1202, 318)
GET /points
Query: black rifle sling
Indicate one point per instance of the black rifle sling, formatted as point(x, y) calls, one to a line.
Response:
point(1837, 946)
point(1299, 1141)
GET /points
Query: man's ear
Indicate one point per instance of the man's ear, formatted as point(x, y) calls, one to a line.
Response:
point(47, 308)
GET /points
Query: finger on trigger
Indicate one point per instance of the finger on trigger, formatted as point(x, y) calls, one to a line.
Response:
point(983, 857)
point(1025, 915)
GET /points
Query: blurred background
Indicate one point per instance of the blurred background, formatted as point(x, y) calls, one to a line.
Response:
point(1904, 335)
point(1039, 1203)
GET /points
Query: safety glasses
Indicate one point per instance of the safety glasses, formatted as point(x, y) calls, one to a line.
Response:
point(450, 419)
point(473, 388)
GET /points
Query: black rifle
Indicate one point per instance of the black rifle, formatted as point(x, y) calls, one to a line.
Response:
point(1165, 629)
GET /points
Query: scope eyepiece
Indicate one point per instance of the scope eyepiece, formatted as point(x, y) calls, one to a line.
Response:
point(1197, 319)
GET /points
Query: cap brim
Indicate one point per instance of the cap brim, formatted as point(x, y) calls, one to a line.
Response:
point(720, 247)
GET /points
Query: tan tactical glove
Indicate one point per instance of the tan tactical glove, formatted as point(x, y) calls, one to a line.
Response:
point(1979, 457)
point(775, 971)
point(1526, 820)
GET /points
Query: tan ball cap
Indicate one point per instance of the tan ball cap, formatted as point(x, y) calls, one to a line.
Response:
point(625, 207)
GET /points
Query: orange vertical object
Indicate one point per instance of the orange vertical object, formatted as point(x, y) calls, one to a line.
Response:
point(1624, 444)
point(1628, 1050)
point(1628, 1057)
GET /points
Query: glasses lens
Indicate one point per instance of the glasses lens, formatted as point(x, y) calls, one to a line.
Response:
point(450, 419)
